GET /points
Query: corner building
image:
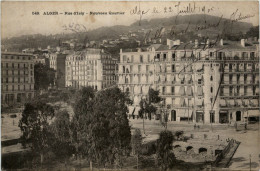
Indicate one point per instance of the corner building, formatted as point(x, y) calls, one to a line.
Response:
point(17, 78)
point(202, 82)
point(91, 67)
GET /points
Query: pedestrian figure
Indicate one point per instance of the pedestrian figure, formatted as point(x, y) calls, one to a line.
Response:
point(245, 126)
point(235, 125)
point(194, 126)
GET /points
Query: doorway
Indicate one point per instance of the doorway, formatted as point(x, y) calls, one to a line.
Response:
point(238, 116)
point(173, 115)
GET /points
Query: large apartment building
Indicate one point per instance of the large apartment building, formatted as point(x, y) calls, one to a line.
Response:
point(210, 82)
point(90, 67)
point(17, 78)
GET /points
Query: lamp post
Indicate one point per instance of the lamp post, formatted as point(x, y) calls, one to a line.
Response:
point(188, 110)
point(250, 161)
point(211, 119)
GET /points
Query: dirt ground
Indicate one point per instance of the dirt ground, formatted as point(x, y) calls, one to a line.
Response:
point(250, 139)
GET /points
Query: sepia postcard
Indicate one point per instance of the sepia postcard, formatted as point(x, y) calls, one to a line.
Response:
point(130, 85)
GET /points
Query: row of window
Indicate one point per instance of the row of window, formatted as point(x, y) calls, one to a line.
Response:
point(19, 80)
point(17, 57)
point(19, 87)
point(190, 55)
point(14, 65)
point(237, 90)
point(18, 72)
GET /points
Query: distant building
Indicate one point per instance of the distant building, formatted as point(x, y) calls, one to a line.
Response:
point(57, 62)
point(39, 59)
point(201, 82)
point(91, 67)
point(28, 50)
point(17, 78)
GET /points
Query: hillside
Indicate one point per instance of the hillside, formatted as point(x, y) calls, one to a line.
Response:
point(190, 23)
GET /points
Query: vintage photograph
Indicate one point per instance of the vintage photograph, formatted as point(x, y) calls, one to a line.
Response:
point(120, 85)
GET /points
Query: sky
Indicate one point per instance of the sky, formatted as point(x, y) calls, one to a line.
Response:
point(17, 18)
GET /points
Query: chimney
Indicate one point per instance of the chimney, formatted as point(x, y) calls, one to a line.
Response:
point(120, 50)
point(221, 42)
point(243, 42)
point(169, 43)
point(196, 43)
point(177, 42)
point(58, 49)
point(160, 40)
point(207, 43)
point(138, 49)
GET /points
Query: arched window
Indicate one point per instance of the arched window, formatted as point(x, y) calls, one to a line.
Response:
point(211, 78)
point(123, 69)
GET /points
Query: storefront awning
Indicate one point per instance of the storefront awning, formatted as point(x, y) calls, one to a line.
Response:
point(182, 113)
point(253, 113)
point(223, 111)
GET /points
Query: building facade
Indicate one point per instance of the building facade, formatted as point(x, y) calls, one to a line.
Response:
point(200, 82)
point(90, 67)
point(17, 78)
point(57, 62)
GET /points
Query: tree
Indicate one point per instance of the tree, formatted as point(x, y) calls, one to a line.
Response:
point(81, 119)
point(34, 125)
point(136, 142)
point(165, 158)
point(153, 99)
point(109, 131)
point(61, 139)
point(43, 76)
point(148, 105)
point(253, 32)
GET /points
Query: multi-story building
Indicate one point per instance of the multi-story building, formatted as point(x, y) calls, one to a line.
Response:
point(17, 78)
point(201, 82)
point(90, 67)
point(57, 62)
